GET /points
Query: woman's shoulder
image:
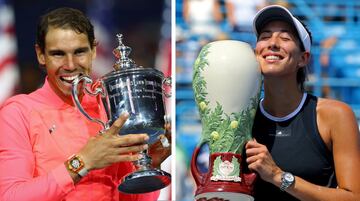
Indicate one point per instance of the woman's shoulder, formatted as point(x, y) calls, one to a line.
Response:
point(336, 117)
point(333, 107)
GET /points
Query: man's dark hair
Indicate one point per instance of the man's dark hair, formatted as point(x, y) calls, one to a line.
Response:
point(302, 72)
point(65, 18)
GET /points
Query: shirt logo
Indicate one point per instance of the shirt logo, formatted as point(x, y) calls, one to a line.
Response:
point(52, 129)
point(281, 132)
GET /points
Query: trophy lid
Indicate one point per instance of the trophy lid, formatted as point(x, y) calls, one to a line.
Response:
point(124, 65)
point(122, 55)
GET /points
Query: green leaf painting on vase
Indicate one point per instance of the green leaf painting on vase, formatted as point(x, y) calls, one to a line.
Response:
point(222, 132)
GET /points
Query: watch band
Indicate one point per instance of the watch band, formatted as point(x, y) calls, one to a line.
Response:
point(287, 179)
point(83, 172)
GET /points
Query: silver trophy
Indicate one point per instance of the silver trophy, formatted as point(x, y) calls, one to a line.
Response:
point(140, 92)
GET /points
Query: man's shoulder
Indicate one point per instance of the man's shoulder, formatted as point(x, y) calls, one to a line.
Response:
point(18, 104)
point(21, 101)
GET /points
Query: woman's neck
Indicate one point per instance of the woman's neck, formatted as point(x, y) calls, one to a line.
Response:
point(281, 98)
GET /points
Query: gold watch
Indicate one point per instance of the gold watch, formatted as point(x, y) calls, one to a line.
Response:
point(76, 165)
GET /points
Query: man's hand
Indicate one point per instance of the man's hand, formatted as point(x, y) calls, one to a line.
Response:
point(260, 161)
point(110, 147)
point(158, 152)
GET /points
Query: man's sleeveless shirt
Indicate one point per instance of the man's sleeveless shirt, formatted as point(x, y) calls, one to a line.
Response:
point(296, 146)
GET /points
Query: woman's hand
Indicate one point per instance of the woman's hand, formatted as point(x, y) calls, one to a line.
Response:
point(260, 160)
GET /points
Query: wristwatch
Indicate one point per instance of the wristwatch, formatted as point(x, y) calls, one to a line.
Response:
point(76, 165)
point(287, 179)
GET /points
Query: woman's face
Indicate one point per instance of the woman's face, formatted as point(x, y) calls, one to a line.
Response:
point(278, 50)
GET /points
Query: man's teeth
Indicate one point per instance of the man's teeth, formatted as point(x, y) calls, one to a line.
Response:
point(272, 57)
point(71, 78)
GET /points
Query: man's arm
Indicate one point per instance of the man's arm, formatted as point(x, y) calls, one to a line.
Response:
point(17, 164)
point(157, 151)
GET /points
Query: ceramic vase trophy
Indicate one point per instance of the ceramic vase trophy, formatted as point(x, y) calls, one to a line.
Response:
point(140, 92)
point(226, 83)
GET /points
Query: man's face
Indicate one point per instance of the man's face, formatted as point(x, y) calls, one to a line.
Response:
point(67, 55)
point(278, 50)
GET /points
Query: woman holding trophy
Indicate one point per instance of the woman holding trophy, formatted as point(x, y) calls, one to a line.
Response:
point(303, 147)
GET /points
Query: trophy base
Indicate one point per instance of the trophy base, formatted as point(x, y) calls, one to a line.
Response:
point(226, 196)
point(144, 181)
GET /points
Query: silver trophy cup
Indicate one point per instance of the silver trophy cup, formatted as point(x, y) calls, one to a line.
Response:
point(140, 92)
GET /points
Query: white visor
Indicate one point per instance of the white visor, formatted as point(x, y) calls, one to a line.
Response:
point(276, 12)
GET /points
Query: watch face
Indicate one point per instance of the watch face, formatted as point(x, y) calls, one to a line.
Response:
point(289, 177)
point(75, 163)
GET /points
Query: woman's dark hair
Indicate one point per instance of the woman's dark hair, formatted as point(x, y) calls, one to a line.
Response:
point(302, 72)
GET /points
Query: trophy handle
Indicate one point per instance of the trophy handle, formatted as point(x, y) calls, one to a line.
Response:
point(96, 91)
point(198, 176)
point(166, 82)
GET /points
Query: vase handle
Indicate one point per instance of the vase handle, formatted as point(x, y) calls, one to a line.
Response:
point(198, 176)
